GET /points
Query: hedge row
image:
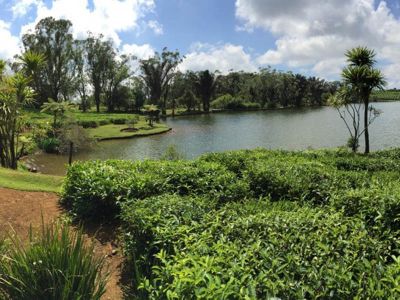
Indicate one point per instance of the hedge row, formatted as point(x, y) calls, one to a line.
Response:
point(97, 123)
point(252, 224)
point(185, 249)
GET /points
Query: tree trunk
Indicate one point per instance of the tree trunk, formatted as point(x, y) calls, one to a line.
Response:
point(173, 107)
point(366, 133)
point(71, 148)
point(97, 99)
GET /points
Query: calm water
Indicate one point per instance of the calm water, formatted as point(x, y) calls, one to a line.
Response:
point(279, 129)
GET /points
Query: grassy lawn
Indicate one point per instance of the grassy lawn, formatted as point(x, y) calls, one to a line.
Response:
point(38, 117)
point(26, 181)
point(388, 95)
point(114, 131)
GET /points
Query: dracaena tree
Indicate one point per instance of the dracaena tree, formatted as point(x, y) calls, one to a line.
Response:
point(362, 77)
point(15, 93)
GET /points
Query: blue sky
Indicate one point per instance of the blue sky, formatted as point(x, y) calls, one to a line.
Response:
point(307, 36)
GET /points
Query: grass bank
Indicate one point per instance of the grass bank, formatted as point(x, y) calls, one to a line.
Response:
point(387, 95)
point(26, 181)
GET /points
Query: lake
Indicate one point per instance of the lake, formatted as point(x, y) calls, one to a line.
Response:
point(289, 129)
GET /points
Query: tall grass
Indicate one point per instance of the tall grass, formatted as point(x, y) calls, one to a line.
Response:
point(57, 264)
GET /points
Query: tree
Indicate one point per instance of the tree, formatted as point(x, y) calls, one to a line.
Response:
point(14, 94)
point(32, 65)
point(349, 109)
point(157, 72)
point(362, 78)
point(205, 88)
point(81, 74)
point(117, 72)
point(57, 109)
point(100, 54)
point(53, 39)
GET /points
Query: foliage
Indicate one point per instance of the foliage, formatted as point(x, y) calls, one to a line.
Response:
point(172, 153)
point(52, 39)
point(257, 250)
point(157, 72)
point(14, 94)
point(57, 109)
point(361, 76)
point(349, 108)
point(385, 95)
point(99, 56)
point(234, 103)
point(56, 265)
point(251, 224)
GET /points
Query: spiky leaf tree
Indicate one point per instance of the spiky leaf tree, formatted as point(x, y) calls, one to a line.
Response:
point(362, 78)
point(57, 109)
point(14, 94)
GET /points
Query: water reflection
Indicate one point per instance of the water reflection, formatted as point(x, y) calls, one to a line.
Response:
point(279, 129)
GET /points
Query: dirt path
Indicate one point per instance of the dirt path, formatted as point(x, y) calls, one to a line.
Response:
point(20, 210)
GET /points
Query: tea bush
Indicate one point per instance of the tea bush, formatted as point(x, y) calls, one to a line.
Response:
point(96, 189)
point(256, 250)
point(251, 224)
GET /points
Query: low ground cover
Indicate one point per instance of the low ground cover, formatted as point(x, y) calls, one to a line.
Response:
point(387, 95)
point(26, 181)
point(251, 224)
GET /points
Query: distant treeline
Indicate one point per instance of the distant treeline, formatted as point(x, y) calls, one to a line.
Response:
point(93, 72)
point(267, 88)
point(386, 95)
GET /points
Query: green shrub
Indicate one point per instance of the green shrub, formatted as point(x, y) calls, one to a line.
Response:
point(96, 189)
point(158, 223)
point(379, 207)
point(49, 144)
point(90, 123)
point(119, 121)
point(104, 122)
point(259, 251)
point(288, 181)
point(204, 229)
point(56, 265)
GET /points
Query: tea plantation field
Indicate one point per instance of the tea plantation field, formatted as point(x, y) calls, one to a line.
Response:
point(251, 224)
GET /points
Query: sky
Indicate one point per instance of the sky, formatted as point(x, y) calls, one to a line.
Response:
point(305, 36)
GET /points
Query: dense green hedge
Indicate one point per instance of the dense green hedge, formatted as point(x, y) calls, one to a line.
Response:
point(252, 224)
point(95, 189)
point(256, 250)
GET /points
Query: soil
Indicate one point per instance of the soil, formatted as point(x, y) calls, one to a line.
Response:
point(20, 210)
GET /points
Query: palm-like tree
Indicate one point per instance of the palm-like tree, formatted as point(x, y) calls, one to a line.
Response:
point(56, 108)
point(32, 65)
point(14, 94)
point(361, 75)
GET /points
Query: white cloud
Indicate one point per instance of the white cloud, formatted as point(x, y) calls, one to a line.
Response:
point(109, 17)
point(9, 42)
point(315, 34)
point(221, 57)
point(156, 27)
point(22, 7)
point(144, 51)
